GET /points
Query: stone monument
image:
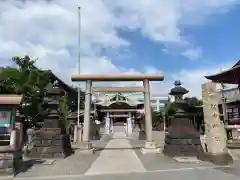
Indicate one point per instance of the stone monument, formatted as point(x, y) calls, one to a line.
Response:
point(10, 135)
point(182, 138)
point(49, 142)
point(216, 138)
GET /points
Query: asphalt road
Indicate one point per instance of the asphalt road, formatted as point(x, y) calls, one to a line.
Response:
point(206, 173)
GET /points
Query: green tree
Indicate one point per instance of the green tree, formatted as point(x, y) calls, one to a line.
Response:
point(28, 81)
point(170, 109)
point(192, 106)
point(194, 101)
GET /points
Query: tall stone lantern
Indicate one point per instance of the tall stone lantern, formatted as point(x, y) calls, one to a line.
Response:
point(182, 138)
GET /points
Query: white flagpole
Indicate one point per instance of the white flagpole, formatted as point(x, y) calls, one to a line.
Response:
point(79, 58)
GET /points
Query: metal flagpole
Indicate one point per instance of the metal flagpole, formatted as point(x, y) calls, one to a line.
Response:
point(79, 58)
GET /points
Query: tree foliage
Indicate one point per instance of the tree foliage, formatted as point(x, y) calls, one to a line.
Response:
point(29, 81)
point(193, 101)
point(170, 109)
point(192, 105)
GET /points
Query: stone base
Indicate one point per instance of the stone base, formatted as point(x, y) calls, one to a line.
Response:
point(49, 147)
point(235, 144)
point(150, 151)
point(142, 135)
point(183, 145)
point(187, 159)
point(86, 151)
point(84, 146)
point(219, 159)
point(150, 148)
point(8, 164)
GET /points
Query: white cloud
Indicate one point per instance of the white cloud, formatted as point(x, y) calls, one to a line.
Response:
point(48, 30)
point(161, 20)
point(192, 53)
point(191, 78)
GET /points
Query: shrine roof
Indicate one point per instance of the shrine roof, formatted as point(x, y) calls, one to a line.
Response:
point(54, 78)
point(230, 76)
point(109, 99)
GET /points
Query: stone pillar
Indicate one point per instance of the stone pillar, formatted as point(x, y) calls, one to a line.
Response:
point(79, 131)
point(216, 138)
point(13, 139)
point(164, 122)
point(75, 138)
point(19, 128)
point(150, 146)
point(107, 125)
point(129, 126)
point(87, 120)
point(148, 113)
point(111, 125)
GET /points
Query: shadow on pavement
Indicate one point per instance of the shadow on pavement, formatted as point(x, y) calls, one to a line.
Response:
point(28, 164)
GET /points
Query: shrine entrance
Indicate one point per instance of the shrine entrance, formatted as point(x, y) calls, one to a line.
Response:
point(150, 146)
point(119, 111)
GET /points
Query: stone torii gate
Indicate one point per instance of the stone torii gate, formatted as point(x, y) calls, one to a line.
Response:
point(150, 145)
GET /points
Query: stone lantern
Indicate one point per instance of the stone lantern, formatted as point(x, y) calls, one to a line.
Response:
point(178, 91)
point(49, 142)
point(182, 138)
point(52, 98)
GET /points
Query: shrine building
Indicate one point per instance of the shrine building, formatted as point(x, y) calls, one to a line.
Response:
point(120, 106)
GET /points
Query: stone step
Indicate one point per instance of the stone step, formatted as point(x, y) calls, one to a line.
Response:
point(234, 144)
point(184, 141)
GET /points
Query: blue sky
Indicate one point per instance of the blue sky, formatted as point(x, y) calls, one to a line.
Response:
point(184, 39)
point(217, 38)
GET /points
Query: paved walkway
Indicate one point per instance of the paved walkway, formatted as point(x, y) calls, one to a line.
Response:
point(117, 157)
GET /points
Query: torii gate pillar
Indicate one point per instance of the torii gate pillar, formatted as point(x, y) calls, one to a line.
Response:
point(87, 121)
point(150, 145)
